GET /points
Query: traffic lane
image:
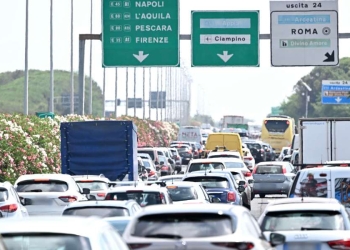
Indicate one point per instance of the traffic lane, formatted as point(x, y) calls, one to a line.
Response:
point(258, 204)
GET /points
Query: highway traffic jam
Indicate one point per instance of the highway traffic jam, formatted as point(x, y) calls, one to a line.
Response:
point(198, 193)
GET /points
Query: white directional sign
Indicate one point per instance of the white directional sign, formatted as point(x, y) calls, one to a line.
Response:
point(304, 33)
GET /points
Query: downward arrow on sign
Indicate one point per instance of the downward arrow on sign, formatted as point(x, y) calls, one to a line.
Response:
point(140, 57)
point(225, 56)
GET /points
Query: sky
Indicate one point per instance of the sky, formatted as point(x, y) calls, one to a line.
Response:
point(250, 92)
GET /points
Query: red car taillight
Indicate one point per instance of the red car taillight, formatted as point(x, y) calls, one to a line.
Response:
point(165, 168)
point(68, 198)
point(138, 246)
point(151, 173)
point(339, 244)
point(101, 194)
point(235, 245)
point(9, 208)
point(231, 196)
point(247, 174)
point(248, 158)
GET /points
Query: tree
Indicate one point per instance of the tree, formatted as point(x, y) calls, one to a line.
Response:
point(295, 105)
point(203, 119)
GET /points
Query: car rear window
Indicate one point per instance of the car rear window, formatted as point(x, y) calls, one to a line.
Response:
point(234, 164)
point(205, 166)
point(269, 169)
point(97, 211)
point(302, 220)
point(119, 225)
point(251, 146)
point(41, 185)
point(143, 198)
point(210, 181)
point(277, 126)
point(93, 185)
point(182, 193)
point(183, 225)
point(4, 194)
point(149, 152)
point(45, 241)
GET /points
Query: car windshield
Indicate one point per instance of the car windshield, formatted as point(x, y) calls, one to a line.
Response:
point(205, 166)
point(251, 146)
point(302, 220)
point(4, 194)
point(183, 149)
point(119, 225)
point(183, 225)
point(147, 164)
point(45, 241)
point(277, 126)
point(234, 164)
point(210, 181)
point(182, 193)
point(93, 185)
point(149, 152)
point(143, 198)
point(269, 169)
point(39, 185)
point(98, 211)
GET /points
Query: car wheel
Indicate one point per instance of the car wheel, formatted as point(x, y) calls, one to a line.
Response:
point(262, 195)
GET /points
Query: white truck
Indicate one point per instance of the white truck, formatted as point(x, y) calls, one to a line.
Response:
point(324, 139)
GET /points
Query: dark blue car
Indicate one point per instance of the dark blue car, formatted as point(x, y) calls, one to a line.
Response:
point(219, 185)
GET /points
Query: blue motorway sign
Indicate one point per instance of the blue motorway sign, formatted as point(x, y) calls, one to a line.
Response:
point(335, 92)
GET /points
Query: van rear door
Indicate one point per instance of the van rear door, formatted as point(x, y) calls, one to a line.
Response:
point(341, 185)
point(312, 184)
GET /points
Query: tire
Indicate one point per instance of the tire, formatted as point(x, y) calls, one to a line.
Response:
point(262, 195)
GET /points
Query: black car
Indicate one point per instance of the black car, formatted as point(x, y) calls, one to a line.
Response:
point(270, 152)
point(257, 150)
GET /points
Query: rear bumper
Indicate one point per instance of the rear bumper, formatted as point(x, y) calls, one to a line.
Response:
point(271, 188)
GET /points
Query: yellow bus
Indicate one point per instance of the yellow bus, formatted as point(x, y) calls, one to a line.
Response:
point(278, 131)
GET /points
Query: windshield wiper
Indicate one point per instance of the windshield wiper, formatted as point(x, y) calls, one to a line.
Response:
point(312, 228)
point(168, 236)
point(34, 190)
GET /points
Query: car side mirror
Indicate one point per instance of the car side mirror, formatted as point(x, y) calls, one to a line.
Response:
point(251, 181)
point(241, 189)
point(277, 239)
point(86, 191)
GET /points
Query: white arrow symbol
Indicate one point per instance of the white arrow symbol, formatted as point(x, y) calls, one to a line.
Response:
point(225, 56)
point(338, 99)
point(140, 57)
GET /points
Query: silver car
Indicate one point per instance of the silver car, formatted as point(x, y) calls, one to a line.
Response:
point(195, 226)
point(48, 194)
point(57, 232)
point(273, 178)
point(97, 184)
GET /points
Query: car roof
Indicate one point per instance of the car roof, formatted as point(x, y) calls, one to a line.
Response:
point(90, 177)
point(192, 208)
point(215, 160)
point(5, 184)
point(155, 188)
point(169, 177)
point(306, 203)
point(208, 173)
point(269, 163)
point(343, 169)
point(64, 177)
point(115, 218)
point(52, 224)
point(184, 184)
point(103, 203)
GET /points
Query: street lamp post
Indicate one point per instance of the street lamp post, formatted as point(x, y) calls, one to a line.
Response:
point(307, 97)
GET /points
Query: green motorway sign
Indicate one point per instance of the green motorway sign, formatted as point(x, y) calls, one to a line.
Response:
point(140, 33)
point(225, 38)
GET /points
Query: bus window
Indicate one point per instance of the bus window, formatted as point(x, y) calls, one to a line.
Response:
point(276, 126)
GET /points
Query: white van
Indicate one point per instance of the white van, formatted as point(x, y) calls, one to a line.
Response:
point(326, 182)
point(190, 134)
point(295, 144)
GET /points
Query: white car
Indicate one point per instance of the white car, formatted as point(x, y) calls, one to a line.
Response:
point(194, 226)
point(307, 223)
point(248, 158)
point(10, 203)
point(48, 194)
point(98, 185)
point(224, 154)
point(56, 232)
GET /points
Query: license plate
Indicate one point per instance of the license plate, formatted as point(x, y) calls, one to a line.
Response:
point(301, 245)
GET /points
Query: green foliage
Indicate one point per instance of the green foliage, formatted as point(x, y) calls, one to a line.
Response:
point(295, 105)
point(12, 92)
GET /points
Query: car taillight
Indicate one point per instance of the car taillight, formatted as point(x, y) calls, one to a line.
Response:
point(9, 208)
point(248, 174)
point(164, 168)
point(231, 196)
point(101, 194)
point(248, 158)
point(235, 245)
point(339, 244)
point(284, 170)
point(177, 157)
point(151, 173)
point(68, 198)
point(108, 197)
point(138, 246)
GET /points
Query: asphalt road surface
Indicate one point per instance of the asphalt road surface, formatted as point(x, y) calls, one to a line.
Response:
point(258, 204)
